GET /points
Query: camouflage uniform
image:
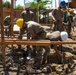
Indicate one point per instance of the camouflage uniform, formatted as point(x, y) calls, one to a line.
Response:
point(54, 36)
point(27, 15)
point(70, 23)
point(58, 15)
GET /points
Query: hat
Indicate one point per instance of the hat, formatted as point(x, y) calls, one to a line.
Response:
point(63, 3)
point(19, 22)
point(71, 10)
point(64, 35)
point(27, 5)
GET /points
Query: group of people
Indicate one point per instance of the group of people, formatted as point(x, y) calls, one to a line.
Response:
point(63, 16)
point(36, 31)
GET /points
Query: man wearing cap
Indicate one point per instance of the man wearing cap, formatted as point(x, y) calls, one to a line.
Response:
point(57, 36)
point(57, 16)
point(27, 15)
point(36, 32)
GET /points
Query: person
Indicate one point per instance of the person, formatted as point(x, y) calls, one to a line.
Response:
point(74, 20)
point(57, 36)
point(37, 32)
point(70, 21)
point(65, 13)
point(7, 21)
point(57, 16)
point(27, 14)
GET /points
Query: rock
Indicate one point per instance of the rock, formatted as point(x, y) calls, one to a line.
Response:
point(44, 69)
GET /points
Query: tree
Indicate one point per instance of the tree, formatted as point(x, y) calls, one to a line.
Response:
point(39, 5)
point(6, 4)
point(19, 7)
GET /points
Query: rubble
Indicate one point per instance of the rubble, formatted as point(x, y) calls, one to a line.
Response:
point(16, 64)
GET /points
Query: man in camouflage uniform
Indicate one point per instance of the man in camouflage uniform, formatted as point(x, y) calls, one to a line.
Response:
point(57, 36)
point(27, 14)
point(36, 32)
point(70, 21)
point(57, 16)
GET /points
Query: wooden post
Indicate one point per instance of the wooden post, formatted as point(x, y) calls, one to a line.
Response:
point(2, 32)
point(3, 55)
point(12, 17)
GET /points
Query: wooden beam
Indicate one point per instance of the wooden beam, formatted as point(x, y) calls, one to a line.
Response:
point(35, 42)
point(2, 31)
point(3, 55)
point(28, 42)
point(12, 18)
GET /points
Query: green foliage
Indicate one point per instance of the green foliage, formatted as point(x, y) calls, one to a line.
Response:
point(39, 4)
point(19, 7)
point(6, 4)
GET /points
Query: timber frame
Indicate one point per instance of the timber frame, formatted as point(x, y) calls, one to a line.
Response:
point(4, 42)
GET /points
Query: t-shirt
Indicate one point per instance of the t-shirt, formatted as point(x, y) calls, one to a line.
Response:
point(58, 14)
point(34, 27)
point(27, 15)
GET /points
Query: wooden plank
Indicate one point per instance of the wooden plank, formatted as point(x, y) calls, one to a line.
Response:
point(28, 42)
point(35, 42)
point(12, 41)
point(2, 31)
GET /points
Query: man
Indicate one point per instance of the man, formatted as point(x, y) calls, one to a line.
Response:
point(70, 21)
point(57, 16)
point(7, 21)
point(27, 15)
point(57, 36)
point(36, 32)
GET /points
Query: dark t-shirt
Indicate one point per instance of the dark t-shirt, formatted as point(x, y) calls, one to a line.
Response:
point(27, 15)
point(58, 14)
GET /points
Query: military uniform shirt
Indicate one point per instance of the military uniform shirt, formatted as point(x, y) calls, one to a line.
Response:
point(27, 15)
point(54, 36)
point(34, 27)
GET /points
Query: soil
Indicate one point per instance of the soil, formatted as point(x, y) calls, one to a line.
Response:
point(17, 65)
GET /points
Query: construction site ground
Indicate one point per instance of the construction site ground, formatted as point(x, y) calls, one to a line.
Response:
point(53, 67)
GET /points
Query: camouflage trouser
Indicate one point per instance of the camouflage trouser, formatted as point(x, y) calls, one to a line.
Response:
point(39, 49)
point(69, 29)
point(58, 26)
